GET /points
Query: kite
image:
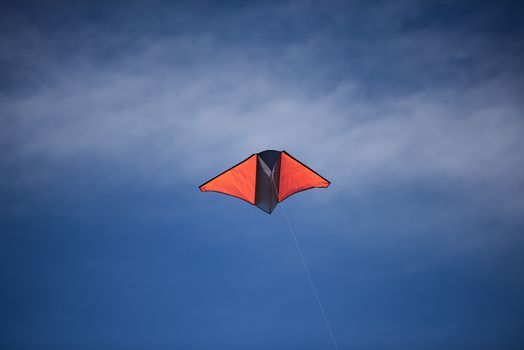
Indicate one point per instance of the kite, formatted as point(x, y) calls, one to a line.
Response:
point(264, 179)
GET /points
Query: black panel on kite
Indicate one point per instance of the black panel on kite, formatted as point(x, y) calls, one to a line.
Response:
point(265, 179)
point(268, 170)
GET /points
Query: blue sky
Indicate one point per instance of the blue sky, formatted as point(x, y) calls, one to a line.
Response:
point(112, 114)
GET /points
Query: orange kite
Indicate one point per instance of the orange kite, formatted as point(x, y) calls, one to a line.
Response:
point(265, 179)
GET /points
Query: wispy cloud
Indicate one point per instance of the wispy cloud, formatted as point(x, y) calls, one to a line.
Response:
point(192, 103)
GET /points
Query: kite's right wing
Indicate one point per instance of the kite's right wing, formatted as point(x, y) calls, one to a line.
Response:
point(296, 177)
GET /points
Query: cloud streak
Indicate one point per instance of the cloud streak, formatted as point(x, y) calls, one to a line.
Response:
point(165, 105)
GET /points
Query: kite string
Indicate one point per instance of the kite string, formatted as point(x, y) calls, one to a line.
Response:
point(326, 321)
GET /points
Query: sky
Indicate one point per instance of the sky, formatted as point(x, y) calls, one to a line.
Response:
point(112, 113)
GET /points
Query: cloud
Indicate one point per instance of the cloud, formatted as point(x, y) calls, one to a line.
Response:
point(191, 104)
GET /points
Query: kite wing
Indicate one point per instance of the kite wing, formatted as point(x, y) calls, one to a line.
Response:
point(296, 177)
point(238, 181)
point(265, 179)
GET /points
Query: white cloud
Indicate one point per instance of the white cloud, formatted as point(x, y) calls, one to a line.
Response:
point(162, 114)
